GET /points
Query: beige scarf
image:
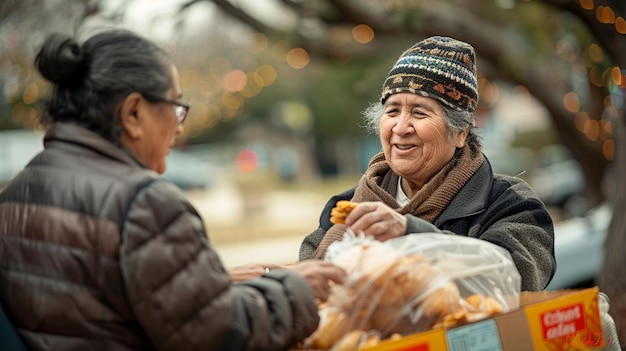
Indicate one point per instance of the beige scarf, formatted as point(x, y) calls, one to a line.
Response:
point(379, 183)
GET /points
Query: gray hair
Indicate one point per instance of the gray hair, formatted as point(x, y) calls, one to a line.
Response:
point(90, 80)
point(457, 121)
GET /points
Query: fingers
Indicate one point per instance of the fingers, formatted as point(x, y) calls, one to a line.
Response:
point(320, 275)
point(321, 291)
point(364, 208)
point(368, 213)
point(331, 272)
point(377, 220)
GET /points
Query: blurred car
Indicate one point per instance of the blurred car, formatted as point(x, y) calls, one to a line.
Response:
point(514, 161)
point(579, 248)
point(17, 148)
point(187, 171)
point(559, 182)
point(561, 185)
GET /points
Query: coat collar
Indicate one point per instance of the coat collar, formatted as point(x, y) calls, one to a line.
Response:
point(473, 197)
point(73, 134)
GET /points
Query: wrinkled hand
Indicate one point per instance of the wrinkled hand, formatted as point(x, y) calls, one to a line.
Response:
point(377, 220)
point(320, 275)
point(249, 271)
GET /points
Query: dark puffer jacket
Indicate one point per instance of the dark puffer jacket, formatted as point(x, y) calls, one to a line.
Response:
point(98, 253)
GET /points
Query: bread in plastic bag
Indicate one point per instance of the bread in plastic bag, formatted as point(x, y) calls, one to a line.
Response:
point(411, 284)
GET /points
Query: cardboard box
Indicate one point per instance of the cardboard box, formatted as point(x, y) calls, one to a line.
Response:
point(546, 320)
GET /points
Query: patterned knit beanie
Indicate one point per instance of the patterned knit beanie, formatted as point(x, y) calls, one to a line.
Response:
point(438, 67)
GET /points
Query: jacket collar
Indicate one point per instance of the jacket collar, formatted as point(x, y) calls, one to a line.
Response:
point(73, 134)
point(473, 197)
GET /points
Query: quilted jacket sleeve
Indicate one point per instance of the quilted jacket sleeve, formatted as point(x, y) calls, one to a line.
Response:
point(182, 295)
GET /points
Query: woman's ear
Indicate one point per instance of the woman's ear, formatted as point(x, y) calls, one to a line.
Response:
point(129, 113)
point(459, 141)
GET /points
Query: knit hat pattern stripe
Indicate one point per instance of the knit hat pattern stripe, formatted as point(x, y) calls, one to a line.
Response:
point(434, 66)
point(438, 67)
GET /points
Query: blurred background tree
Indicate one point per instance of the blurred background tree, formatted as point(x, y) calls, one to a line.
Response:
point(307, 68)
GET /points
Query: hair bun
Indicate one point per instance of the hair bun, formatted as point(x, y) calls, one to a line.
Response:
point(61, 60)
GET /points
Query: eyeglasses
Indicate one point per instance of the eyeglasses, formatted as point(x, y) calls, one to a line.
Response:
point(182, 109)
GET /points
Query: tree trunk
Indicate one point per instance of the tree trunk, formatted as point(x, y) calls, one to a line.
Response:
point(612, 280)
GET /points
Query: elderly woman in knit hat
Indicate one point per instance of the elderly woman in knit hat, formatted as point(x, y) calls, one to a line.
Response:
point(431, 175)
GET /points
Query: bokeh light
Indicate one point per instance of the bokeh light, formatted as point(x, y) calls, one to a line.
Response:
point(607, 127)
point(586, 4)
point(31, 94)
point(620, 25)
point(595, 53)
point(294, 114)
point(232, 101)
point(252, 88)
point(298, 58)
point(246, 161)
point(580, 119)
point(265, 75)
point(595, 77)
point(235, 81)
point(605, 14)
point(363, 33)
point(571, 102)
point(616, 76)
point(608, 149)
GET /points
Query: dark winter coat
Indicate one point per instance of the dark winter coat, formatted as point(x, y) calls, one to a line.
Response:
point(501, 209)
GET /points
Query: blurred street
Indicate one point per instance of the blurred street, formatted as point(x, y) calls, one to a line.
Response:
point(276, 250)
point(260, 222)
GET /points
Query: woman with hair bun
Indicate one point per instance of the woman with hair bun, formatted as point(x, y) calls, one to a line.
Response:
point(97, 252)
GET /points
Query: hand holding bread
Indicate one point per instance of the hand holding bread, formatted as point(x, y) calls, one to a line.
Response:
point(372, 218)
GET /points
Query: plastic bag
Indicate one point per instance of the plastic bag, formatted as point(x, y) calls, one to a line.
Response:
point(412, 284)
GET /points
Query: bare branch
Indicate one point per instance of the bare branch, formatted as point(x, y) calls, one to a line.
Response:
point(610, 40)
point(240, 15)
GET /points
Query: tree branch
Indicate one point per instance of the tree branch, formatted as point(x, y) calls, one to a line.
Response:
point(610, 40)
point(238, 14)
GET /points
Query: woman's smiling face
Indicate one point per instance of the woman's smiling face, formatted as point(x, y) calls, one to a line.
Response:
point(414, 137)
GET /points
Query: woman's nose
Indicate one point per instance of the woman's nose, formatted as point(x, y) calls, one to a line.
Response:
point(403, 126)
